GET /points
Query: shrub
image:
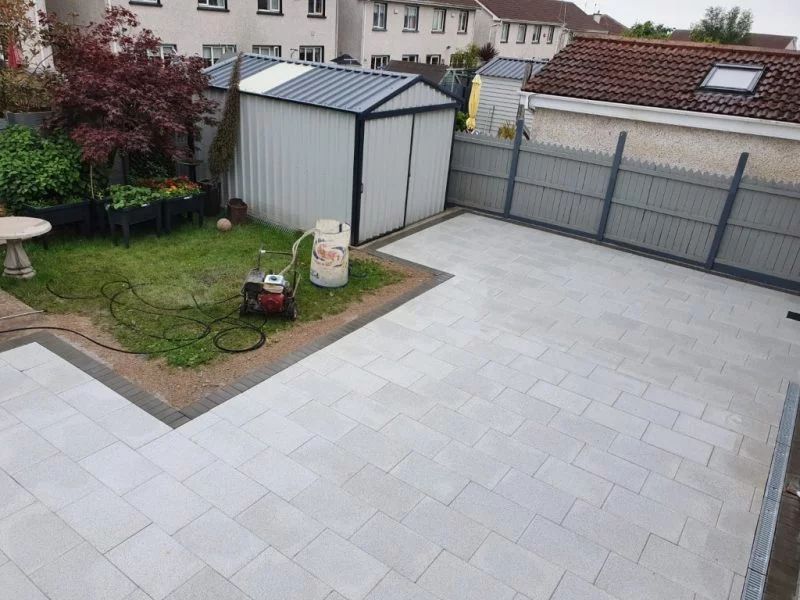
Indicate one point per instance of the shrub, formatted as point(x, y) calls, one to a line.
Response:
point(223, 147)
point(466, 58)
point(507, 131)
point(37, 170)
point(487, 52)
point(22, 91)
point(172, 187)
point(129, 196)
point(461, 121)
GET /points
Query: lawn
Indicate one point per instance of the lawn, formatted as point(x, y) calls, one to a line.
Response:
point(178, 296)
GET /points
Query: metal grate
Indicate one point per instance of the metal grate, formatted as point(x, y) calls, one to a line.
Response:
point(754, 585)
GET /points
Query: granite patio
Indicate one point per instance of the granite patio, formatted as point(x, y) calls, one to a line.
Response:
point(558, 421)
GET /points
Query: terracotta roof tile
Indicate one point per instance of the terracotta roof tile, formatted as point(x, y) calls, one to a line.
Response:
point(668, 74)
point(543, 11)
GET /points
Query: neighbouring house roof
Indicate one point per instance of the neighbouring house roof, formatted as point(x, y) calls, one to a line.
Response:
point(543, 11)
point(510, 68)
point(430, 73)
point(760, 40)
point(468, 4)
point(668, 74)
point(609, 23)
point(348, 89)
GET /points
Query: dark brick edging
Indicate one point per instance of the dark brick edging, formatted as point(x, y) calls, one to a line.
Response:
point(176, 417)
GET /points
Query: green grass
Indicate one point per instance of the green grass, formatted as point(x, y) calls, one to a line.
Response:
point(167, 272)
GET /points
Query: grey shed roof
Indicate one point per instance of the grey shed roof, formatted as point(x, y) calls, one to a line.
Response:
point(348, 89)
point(510, 68)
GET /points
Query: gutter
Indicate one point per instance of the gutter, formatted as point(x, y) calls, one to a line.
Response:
point(665, 116)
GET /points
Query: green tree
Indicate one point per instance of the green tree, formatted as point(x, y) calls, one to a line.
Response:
point(723, 26)
point(649, 30)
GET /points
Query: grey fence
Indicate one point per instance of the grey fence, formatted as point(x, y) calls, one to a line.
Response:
point(734, 224)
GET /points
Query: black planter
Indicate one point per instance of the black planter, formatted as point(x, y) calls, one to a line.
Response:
point(213, 203)
point(99, 214)
point(125, 217)
point(79, 213)
point(188, 205)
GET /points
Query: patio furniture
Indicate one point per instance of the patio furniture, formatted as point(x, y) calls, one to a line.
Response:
point(14, 230)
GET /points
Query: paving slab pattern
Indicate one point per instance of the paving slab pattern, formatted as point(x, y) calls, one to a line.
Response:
point(559, 420)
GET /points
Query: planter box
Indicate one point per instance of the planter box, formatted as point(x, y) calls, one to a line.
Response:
point(188, 205)
point(63, 214)
point(125, 217)
point(34, 120)
point(213, 203)
point(100, 214)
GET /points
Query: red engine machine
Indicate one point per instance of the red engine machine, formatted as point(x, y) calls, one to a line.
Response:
point(271, 293)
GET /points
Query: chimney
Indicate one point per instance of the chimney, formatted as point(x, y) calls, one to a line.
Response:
point(597, 16)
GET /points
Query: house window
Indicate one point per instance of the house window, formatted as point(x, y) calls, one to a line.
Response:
point(537, 34)
point(504, 32)
point(311, 53)
point(433, 59)
point(267, 51)
point(551, 33)
point(379, 61)
point(439, 15)
point(316, 8)
point(410, 57)
point(732, 78)
point(165, 50)
point(213, 54)
point(463, 21)
point(379, 16)
point(153, 2)
point(522, 31)
point(270, 6)
point(216, 4)
point(411, 19)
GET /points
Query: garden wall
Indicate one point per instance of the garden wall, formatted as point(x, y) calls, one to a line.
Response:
point(739, 225)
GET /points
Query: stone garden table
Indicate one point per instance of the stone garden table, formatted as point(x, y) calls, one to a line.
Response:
point(14, 230)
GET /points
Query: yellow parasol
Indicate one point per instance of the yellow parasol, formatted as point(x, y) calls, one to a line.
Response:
point(474, 100)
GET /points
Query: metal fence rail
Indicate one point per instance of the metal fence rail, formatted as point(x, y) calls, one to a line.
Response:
point(734, 224)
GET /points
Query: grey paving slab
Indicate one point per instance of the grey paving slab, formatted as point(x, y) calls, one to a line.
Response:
point(228, 442)
point(272, 576)
point(77, 436)
point(446, 527)
point(57, 481)
point(280, 524)
point(57, 375)
point(536, 495)
point(611, 468)
point(335, 508)
point(364, 410)
point(82, 574)
point(328, 460)
point(574, 481)
point(93, 399)
point(133, 426)
point(13, 496)
point(342, 565)
point(16, 585)
point(575, 588)
point(155, 562)
point(647, 514)
point(27, 356)
point(321, 420)
point(430, 477)
point(511, 452)
point(606, 529)
point(645, 455)
point(226, 488)
point(722, 548)
point(167, 502)
point(396, 587)
point(383, 491)
point(549, 441)
point(177, 455)
point(374, 447)
point(119, 467)
point(451, 578)
point(207, 585)
point(278, 473)
point(492, 510)
point(406, 401)
point(39, 408)
point(472, 464)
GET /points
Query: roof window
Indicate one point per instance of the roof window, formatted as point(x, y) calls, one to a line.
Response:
point(732, 78)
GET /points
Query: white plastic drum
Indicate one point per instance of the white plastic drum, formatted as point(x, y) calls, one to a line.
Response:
point(330, 259)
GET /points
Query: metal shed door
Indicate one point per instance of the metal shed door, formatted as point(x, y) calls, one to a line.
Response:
point(384, 175)
point(430, 164)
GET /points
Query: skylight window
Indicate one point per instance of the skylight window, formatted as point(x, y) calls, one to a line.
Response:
point(733, 78)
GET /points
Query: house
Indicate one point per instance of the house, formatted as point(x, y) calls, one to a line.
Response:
point(433, 74)
point(683, 103)
point(501, 81)
point(531, 28)
point(428, 31)
point(759, 40)
point(609, 23)
point(214, 28)
point(371, 148)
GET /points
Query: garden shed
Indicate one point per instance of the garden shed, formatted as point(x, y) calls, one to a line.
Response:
point(371, 148)
point(501, 83)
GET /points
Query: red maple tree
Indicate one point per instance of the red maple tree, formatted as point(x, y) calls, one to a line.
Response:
point(113, 94)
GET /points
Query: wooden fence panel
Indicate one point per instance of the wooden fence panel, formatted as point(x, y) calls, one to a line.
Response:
point(479, 170)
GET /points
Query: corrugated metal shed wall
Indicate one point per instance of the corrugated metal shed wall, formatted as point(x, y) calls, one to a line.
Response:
point(510, 68)
point(498, 104)
point(294, 163)
point(419, 94)
point(430, 163)
point(385, 175)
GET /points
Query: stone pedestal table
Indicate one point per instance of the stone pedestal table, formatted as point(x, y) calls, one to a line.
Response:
point(14, 230)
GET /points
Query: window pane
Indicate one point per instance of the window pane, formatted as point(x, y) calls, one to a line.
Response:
point(316, 7)
point(537, 34)
point(379, 16)
point(410, 20)
point(463, 21)
point(733, 79)
point(438, 19)
point(551, 30)
point(522, 31)
point(504, 32)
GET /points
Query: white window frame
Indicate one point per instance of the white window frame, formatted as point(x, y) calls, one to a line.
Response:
point(379, 61)
point(433, 59)
point(314, 50)
point(755, 71)
point(213, 4)
point(379, 11)
point(217, 51)
point(407, 15)
point(522, 32)
point(463, 21)
point(410, 58)
point(551, 33)
point(164, 50)
point(274, 7)
point(442, 13)
point(267, 50)
point(537, 34)
point(505, 31)
point(316, 8)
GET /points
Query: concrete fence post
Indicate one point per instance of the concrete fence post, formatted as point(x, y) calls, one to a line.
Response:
point(612, 185)
point(512, 173)
point(733, 190)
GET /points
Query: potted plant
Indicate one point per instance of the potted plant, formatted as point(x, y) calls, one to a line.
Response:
point(180, 197)
point(40, 176)
point(130, 205)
